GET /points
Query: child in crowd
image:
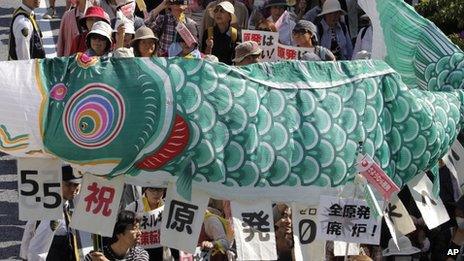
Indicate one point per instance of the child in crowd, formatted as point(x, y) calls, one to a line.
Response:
point(99, 39)
point(145, 42)
point(92, 15)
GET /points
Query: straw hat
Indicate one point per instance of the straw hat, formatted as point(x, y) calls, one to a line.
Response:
point(100, 28)
point(331, 6)
point(246, 49)
point(144, 33)
point(228, 7)
point(405, 246)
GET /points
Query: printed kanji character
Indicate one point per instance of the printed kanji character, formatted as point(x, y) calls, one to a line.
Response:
point(181, 216)
point(349, 211)
point(281, 52)
point(269, 42)
point(335, 210)
point(144, 238)
point(103, 197)
point(364, 212)
point(334, 227)
point(256, 38)
point(256, 222)
point(358, 229)
point(246, 36)
point(290, 54)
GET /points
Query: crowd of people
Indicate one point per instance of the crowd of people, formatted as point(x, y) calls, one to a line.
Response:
point(330, 29)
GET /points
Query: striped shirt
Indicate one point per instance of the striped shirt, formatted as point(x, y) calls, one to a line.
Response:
point(135, 254)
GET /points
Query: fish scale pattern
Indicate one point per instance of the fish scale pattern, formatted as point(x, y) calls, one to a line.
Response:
point(250, 134)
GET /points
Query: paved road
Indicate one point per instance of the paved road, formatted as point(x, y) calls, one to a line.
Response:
point(11, 229)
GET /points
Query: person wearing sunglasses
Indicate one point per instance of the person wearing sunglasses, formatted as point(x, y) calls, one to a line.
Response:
point(305, 35)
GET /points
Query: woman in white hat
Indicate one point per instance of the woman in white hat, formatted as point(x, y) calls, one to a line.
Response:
point(221, 38)
point(145, 42)
point(334, 34)
point(99, 39)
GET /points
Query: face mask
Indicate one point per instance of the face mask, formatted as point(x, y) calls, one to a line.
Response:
point(460, 222)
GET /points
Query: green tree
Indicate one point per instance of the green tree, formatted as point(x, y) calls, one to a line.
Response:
point(448, 15)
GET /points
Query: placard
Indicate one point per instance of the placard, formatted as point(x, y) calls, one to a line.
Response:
point(374, 174)
point(305, 222)
point(254, 230)
point(432, 209)
point(98, 205)
point(182, 219)
point(39, 186)
point(348, 220)
point(150, 225)
point(285, 52)
point(267, 41)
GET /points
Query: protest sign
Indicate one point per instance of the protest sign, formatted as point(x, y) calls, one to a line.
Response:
point(376, 176)
point(267, 41)
point(182, 219)
point(150, 225)
point(39, 186)
point(304, 219)
point(98, 205)
point(348, 220)
point(432, 209)
point(399, 216)
point(454, 160)
point(254, 230)
point(285, 52)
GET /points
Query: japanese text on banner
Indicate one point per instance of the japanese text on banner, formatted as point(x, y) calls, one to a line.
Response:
point(182, 220)
point(151, 226)
point(254, 230)
point(97, 210)
point(266, 40)
point(377, 177)
point(348, 220)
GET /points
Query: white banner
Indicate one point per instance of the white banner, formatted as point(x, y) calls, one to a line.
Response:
point(304, 220)
point(182, 219)
point(399, 216)
point(98, 205)
point(285, 52)
point(254, 230)
point(348, 220)
point(432, 209)
point(266, 40)
point(150, 225)
point(39, 186)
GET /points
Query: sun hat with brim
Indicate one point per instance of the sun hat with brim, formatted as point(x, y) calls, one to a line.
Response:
point(144, 33)
point(331, 6)
point(305, 25)
point(246, 49)
point(271, 3)
point(95, 12)
point(68, 175)
point(405, 246)
point(100, 28)
point(228, 7)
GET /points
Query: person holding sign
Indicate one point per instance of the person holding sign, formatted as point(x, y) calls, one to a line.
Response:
point(283, 20)
point(220, 40)
point(305, 35)
point(150, 208)
point(123, 246)
point(54, 239)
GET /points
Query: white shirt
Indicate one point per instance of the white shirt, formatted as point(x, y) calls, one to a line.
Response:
point(364, 43)
point(285, 30)
point(23, 24)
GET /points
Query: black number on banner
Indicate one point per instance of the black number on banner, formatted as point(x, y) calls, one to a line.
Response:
point(306, 237)
point(33, 183)
point(48, 193)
